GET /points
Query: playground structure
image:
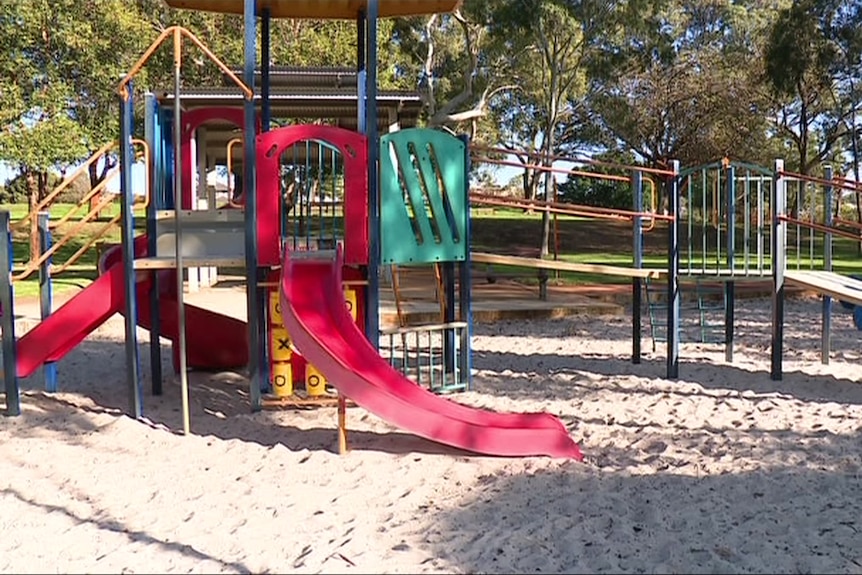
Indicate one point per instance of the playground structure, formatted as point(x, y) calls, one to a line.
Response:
point(392, 200)
point(728, 224)
point(425, 194)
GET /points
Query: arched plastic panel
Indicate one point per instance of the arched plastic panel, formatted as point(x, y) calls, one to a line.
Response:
point(192, 120)
point(354, 153)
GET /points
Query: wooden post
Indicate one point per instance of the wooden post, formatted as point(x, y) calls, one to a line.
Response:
point(342, 425)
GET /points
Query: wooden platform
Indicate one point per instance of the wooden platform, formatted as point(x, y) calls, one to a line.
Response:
point(501, 300)
point(536, 263)
point(166, 263)
point(301, 402)
point(828, 283)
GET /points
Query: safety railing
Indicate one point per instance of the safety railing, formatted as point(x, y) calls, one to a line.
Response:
point(73, 233)
point(430, 355)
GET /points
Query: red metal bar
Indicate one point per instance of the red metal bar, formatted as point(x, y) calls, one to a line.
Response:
point(563, 208)
point(835, 183)
point(542, 156)
point(820, 228)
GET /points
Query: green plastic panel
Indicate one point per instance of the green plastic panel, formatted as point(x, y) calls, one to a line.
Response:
point(423, 197)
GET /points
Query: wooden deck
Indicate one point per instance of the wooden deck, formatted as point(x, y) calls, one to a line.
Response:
point(828, 283)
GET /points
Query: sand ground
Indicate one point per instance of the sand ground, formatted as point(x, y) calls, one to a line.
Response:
point(723, 470)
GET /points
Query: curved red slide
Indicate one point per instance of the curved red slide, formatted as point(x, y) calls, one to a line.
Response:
point(215, 341)
point(325, 334)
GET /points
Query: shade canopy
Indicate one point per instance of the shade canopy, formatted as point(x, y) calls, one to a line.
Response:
point(321, 9)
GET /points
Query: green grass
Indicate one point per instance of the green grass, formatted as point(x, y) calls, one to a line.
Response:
point(73, 234)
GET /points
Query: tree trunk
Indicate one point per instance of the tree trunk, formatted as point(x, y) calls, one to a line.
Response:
point(854, 147)
point(97, 176)
point(546, 219)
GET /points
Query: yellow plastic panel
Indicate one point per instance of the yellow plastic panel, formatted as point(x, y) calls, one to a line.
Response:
point(281, 374)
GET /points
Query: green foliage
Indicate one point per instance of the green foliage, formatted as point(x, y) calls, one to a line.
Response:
point(597, 191)
point(693, 80)
point(684, 82)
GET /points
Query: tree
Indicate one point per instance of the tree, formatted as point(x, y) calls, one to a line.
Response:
point(457, 66)
point(682, 80)
point(60, 82)
point(803, 66)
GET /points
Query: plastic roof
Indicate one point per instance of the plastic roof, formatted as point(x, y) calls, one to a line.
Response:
point(321, 9)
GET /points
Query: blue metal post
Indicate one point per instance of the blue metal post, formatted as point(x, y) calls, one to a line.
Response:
point(127, 226)
point(729, 286)
point(465, 285)
point(257, 381)
point(826, 311)
point(153, 137)
point(166, 128)
point(266, 120)
point(637, 249)
point(673, 295)
point(361, 71)
point(46, 296)
point(7, 320)
point(265, 107)
point(372, 316)
point(779, 254)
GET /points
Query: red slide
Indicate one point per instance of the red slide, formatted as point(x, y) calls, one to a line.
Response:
point(214, 341)
point(326, 335)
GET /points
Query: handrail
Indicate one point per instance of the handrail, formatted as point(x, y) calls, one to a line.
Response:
point(541, 168)
point(653, 204)
point(230, 146)
point(87, 197)
point(104, 183)
point(33, 265)
point(834, 183)
point(178, 32)
point(819, 227)
point(563, 208)
point(46, 201)
point(574, 160)
point(80, 252)
point(115, 219)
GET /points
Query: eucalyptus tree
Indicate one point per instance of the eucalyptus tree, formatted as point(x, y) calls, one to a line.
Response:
point(64, 59)
point(813, 66)
point(457, 66)
point(683, 80)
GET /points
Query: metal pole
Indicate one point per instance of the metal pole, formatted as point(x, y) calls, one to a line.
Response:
point(826, 311)
point(466, 280)
point(264, 349)
point(637, 250)
point(265, 108)
point(361, 65)
point(673, 296)
point(372, 315)
point(46, 296)
point(729, 286)
point(7, 320)
point(178, 233)
point(127, 227)
point(153, 137)
point(779, 255)
point(257, 379)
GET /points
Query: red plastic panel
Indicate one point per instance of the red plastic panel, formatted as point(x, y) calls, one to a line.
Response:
point(191, 121)
point(353, 147)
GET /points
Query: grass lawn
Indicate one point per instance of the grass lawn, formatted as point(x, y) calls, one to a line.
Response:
point(74, 235)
